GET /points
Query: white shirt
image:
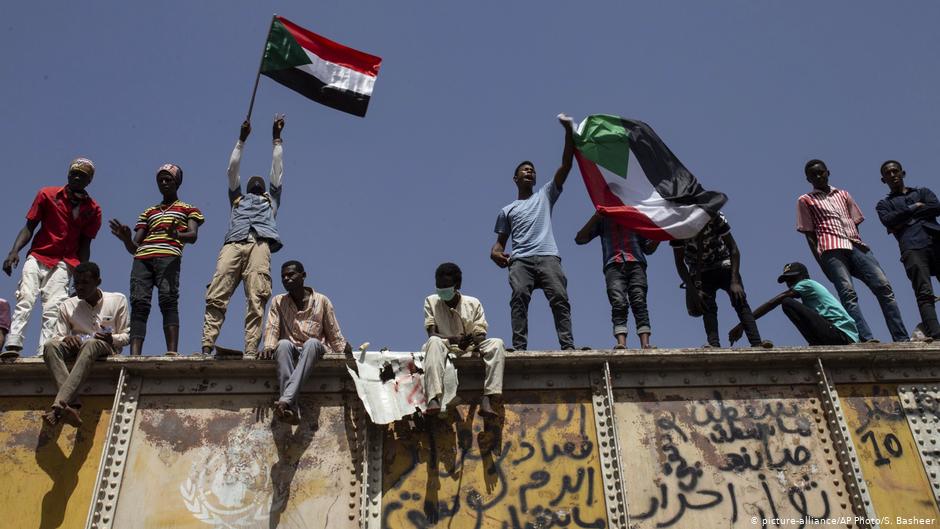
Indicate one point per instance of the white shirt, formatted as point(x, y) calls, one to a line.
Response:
point(78, 318)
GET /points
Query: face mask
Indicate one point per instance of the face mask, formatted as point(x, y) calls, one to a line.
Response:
point(446, 294)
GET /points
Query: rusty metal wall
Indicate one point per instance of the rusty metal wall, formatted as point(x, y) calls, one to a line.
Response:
point(48, 474)
point(189, 444)
point(539, 467)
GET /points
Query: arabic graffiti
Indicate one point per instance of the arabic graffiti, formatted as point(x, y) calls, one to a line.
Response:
point(721, 457)
point(539, 468)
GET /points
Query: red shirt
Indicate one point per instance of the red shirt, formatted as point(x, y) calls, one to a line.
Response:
point(834, 218)
point(58, 236)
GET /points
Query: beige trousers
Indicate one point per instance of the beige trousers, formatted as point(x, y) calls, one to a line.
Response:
point(55, 354)
point(239, 261)
point(436, 349)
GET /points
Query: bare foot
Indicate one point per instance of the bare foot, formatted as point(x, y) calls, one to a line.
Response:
point(486, 408)
point(69, 415)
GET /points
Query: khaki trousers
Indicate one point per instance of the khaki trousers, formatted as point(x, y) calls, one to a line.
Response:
point(249, 262)
point(436, 349)
point(55, 354)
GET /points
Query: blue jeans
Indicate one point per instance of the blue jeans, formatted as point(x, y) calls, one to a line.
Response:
point(626, 289)
point(841, 266)
point(527, 274)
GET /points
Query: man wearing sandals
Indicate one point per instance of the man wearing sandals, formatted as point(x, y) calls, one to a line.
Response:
point(91, 325)
point(301, 327)
point(456, 324)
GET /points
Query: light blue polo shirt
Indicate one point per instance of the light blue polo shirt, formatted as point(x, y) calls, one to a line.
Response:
point(816, 297)
point(529, 223)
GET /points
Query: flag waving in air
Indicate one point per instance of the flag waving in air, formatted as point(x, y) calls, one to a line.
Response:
point(325, 71)
point(634, 179)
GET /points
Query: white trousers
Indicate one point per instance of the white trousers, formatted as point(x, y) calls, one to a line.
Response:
point(38, 279)
point(494, 354)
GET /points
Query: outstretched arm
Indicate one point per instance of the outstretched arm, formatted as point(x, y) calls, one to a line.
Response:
point(277, 160)
point(587, 233)
point(562, 173)
point(123, 233)
point(234, 163)
point(737, 331)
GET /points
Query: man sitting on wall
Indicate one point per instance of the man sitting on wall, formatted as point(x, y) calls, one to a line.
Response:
point(301, 327)
point(456, 324)
point(91, 325)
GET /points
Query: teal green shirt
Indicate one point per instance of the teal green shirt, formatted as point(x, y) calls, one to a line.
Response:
point(816, 297)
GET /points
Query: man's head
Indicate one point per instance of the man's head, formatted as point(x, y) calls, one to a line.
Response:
point(169, 178)
point(447, 279)
point(793, 273)
point(817, 173)
point(256, 185)
point(892, 174)
point(81, 171)
point(293, 275)
point(86, 278)
point(524, 175)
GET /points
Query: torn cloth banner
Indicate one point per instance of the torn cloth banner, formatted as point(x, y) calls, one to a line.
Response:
point(391, 384)
point(636, 181)
point(325, 71)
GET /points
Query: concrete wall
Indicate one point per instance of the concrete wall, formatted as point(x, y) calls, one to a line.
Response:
point(661, 439)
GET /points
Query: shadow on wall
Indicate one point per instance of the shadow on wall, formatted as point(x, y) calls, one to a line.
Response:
point(63, 469)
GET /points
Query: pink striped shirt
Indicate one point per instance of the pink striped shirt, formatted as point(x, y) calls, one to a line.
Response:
point(834, 218)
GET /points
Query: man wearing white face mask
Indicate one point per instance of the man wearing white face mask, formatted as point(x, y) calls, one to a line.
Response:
point(456, 324)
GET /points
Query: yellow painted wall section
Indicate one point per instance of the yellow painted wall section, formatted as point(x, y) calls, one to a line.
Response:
point(890, 461)
point(731, 457)
point(48, 472)
point(203, 461)
point(539, 467)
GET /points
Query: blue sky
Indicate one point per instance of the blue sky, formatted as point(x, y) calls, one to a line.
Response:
point(743, 92)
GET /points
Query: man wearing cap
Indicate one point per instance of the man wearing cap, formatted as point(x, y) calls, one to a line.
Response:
point(157, 247)
point(246, 254)
point(910, 213)
point(820, 317)
point(68, 219)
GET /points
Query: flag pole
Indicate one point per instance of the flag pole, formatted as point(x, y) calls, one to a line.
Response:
point(254, 90)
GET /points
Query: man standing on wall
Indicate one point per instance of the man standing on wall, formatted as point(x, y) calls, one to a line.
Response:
point(90, 325)
point(251, 239)
point(910, 213)
point(69, 220)
point(829, 218)
point(157, 247)
point(534, 261)
point(300, 329)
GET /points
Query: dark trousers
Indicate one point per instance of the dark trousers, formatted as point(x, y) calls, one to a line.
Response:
point(920, 265)
point(711, 281)
point(626, 289)
point(160, 272)
point(814, 328)
point(544, 272)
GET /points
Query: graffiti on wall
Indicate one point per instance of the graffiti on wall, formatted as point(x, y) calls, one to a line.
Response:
point(729, 457)
point(538, 467)
point(887, 451)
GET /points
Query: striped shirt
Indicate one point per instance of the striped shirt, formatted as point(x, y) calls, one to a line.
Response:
point(155, 220)
point(287, 321)
point(618, 244)
point(834, 218)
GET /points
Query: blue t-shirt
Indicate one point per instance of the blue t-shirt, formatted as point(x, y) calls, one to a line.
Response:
point(529, 223)
point(816, 297)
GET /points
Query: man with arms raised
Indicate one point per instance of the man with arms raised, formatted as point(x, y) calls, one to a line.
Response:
point(534, 261)
point(68, 219)
point(90, 325)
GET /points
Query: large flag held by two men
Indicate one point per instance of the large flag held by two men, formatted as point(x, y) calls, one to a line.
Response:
point(636, 181)
point(325, 71)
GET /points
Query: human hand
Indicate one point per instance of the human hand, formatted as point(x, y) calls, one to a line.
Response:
point(736, 291)
point(119, 230)
point(566, 121)
point(73, 343)
point(278, 126)
point(500, 258)
point(244, 131)
point(735, 333)
point(10, 263)
point(266, 354)
point(465, 341)
point(105, 337)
